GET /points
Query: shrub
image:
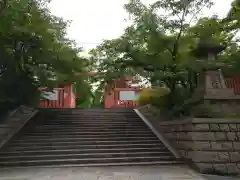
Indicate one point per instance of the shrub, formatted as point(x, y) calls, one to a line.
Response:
point(154, 96)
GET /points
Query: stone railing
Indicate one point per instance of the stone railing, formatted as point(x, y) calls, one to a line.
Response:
point(151, 117)
point(149, 112)
point(213, 145)
point(14, 123)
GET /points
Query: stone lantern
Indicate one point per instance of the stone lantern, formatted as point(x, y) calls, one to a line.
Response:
point(210, 78)
point(211, 93)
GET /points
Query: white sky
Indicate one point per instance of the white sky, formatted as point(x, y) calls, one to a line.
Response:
point(95, 20)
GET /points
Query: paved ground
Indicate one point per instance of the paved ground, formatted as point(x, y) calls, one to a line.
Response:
point(102, 173)
point(213, 177)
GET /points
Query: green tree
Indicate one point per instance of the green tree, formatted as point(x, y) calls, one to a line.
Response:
point(159, 46)
point(233, 17)
point(34, 52)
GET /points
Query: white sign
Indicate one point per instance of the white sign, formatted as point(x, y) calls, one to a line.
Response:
point(128, 96)
point(51, 95)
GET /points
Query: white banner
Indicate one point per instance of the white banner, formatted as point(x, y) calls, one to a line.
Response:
point(128, 96)
point(50, 95)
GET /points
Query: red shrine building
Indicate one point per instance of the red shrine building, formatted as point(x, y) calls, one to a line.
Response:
point(61, 97)
point(120, 93)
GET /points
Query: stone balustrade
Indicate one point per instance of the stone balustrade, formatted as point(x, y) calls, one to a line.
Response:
point(14, 123)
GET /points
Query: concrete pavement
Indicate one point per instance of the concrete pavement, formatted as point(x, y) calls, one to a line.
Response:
point(102, 173)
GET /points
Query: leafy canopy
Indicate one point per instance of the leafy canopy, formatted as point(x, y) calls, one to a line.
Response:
point(34, 52)
point(168, 43)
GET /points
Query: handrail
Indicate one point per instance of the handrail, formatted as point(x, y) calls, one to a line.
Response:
point(156, 131)
point(10, 114)
point(13, 126)
point(151, 108)
point(14, 111)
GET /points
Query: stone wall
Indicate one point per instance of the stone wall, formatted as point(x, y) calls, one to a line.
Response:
point(223, 101)
point(14, 123)
point(224, 107)
point(213, 145)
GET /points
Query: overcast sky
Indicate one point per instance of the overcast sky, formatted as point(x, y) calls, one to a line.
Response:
point(95, 20)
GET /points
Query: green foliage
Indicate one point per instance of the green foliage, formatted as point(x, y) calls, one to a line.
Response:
point(233, 18)
point(98, 99)
point(156, 97)
point(232, 26)
point(204, 110)
point(169, 48)
point(232, 115)
point(34, 52)
point(207, 110)
point(84, 94)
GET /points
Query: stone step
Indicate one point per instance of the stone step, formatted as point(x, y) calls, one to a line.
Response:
point(87, 129)
point(93, 133)
point(103, 149)
point(87, 161)
point(58, 136)
point(82, 125)
point(90, 121)
point(96, 117)
point(100, 115)
point(71, 127)
point(78, 145)
point(137, 163)
point(85, 156)
point(96, 126)
point(93, 116)
point(132, 113)
point(76, 110)
point(84, 130)
point(81, 139)
point(96, 114)
point(70, 123)
point(87, 118)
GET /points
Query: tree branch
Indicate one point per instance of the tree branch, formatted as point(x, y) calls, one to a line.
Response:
point(175, 46)
point(196, 13)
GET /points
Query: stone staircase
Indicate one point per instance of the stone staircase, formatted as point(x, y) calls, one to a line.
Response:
point(85, 137)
